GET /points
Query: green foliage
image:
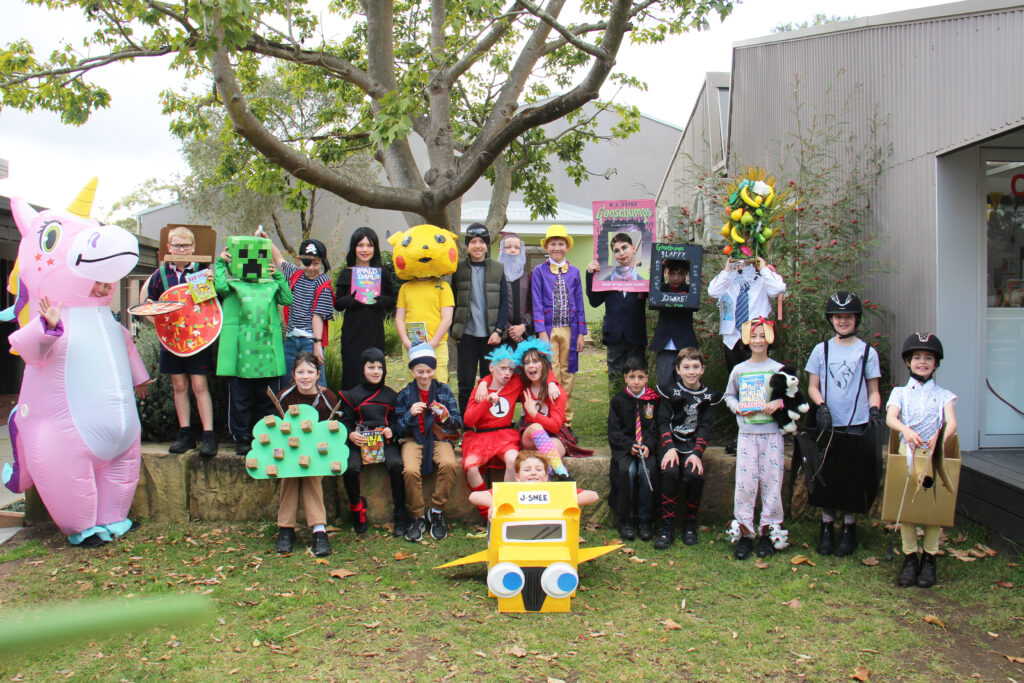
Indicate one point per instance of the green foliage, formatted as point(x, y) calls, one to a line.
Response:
point(322, 103)
point(827, 243)
point(817, 20)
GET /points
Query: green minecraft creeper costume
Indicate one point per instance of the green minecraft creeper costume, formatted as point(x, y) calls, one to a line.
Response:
point(251, 344)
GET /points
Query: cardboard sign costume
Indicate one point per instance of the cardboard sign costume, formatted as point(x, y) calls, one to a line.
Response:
point(534, 550)
point(251, 344)
point(75, 431)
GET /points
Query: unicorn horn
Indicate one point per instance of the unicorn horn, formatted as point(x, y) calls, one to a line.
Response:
point(82, 205)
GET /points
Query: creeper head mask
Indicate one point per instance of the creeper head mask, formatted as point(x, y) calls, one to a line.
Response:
point(250, 257)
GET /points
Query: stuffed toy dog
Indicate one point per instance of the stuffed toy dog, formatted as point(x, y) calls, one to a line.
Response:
point(785, 384)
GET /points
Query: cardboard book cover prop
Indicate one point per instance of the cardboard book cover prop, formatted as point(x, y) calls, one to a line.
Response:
point(75, 432)
point(190, 328)
point(635, 218)
point(251, 344)
point(298, 444)
point(206, 244)
point(933, 500)
point(533, 552)
point(692, 257)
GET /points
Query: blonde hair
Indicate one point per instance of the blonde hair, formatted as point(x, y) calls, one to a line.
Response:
point(181, 231)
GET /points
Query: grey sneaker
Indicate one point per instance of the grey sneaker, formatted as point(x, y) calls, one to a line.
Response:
point(438, 528)
point(415, 531)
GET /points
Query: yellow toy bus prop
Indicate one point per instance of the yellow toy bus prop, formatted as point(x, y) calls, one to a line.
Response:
point(534, 547)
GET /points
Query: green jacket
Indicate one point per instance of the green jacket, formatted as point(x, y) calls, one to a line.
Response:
point(251, 343)
point(495, 296)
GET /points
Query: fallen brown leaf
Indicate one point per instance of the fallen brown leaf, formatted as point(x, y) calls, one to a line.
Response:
point(932, 619)
point(341, 573)
point(759, 564)
point(794, 603)
point(480, 654)
point(670, 624)
point(1004, 584)
point(1015, 660)
point(372, 625)
point(861, 673)
point(870, 562)
point(638, 560)
point(516, 651)
point(802, 559)
point(402, 555)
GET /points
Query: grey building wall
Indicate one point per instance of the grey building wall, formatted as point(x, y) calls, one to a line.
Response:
point(702, 145)
point(939, 75)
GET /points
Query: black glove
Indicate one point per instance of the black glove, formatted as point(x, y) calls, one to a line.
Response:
point(824, 418)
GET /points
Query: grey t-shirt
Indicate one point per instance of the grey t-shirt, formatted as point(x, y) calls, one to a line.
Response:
point(841, 380)
point(748, 387)
point(477, 326)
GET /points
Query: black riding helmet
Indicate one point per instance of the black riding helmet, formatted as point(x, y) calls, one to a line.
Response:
point(844, 302)
point(922, 341)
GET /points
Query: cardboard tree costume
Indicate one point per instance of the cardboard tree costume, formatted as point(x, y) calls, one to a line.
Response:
point(75, 431)
point(251, 344)
point(298, 444)
point(533, 550)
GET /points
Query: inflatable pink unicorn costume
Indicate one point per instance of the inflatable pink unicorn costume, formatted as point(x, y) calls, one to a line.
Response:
point(75, 430)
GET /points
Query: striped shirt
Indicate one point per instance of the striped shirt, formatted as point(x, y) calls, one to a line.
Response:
point(300, 313)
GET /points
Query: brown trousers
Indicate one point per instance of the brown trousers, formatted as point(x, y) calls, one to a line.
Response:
point(447, 469)
point(312, 501)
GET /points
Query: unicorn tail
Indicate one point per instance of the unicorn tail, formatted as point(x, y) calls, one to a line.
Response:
point(16, 478)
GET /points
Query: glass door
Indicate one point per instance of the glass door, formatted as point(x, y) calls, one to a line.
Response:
point(1003, 414)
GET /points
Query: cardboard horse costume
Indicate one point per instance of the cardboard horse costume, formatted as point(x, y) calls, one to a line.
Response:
point(75, 430)
point(534, 549)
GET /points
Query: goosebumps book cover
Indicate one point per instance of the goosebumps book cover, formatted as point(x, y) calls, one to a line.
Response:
point(624, 230)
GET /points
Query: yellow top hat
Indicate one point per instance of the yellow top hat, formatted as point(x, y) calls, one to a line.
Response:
point(556, 231)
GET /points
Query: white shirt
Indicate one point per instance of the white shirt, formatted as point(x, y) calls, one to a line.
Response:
point(764, 285)
point(922, 407)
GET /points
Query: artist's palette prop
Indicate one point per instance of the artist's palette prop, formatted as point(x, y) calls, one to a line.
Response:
point(192, 327)
point(297, 445)
point(156, 308)
point(534, 547)
point(692, 255)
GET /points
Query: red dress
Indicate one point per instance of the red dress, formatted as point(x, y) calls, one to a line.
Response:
point(551, 415)
point(489, 433)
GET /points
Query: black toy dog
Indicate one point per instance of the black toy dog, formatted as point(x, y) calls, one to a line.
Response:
point(785, 384)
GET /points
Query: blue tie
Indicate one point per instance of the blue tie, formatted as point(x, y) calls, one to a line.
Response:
point(742, 309)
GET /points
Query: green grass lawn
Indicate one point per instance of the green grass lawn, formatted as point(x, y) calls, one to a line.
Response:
point(688, 613)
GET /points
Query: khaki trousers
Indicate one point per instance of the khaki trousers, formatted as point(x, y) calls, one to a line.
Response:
point(312, 501)
point(444, 461)
point(562, 343)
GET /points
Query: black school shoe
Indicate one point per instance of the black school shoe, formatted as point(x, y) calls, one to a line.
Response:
point(186, 441)
point(690, 532)
point(400, 523)
point(321, 546)
point(415, 531)
point(744, 548)
point(909, 571)
point(626, 532)
point(926, 578)
point(847, 541)
point(242, 447)
point(645, 532)
point(285, 540)
point(665, 538)
point(826, 538)
point(209, 446)
point(765, 547)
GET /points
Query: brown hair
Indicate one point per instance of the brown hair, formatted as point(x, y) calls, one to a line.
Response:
point(542, 393)
point(689, 353)
point(526, 455)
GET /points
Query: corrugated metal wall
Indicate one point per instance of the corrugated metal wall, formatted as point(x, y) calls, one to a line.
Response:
point(700, 146)
point(942, 82)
